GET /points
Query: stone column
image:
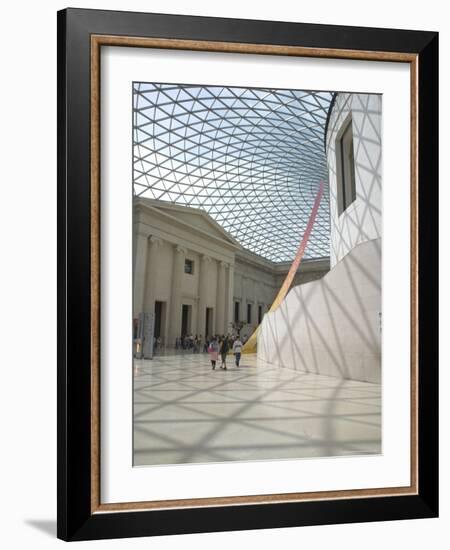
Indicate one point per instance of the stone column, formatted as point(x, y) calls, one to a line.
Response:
point(255, 305)
point(229, 310)
point(179, 255)
point(152, 273)
point(140, 265)
point(221, 298)
point(203, 286)
point(243, 308)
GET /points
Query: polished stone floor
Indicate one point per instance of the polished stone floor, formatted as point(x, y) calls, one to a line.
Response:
point(184, 412)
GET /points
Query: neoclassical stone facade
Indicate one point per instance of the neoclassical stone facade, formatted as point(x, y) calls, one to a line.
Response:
point(196, 277)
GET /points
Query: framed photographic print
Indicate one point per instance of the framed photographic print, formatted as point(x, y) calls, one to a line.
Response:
point(247, 254)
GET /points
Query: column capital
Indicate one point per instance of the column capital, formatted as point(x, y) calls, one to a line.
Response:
point(141, 233)
point(206, 258)
point(180, 249)
point(155, 241)
point(223, 264)
point(141, 229)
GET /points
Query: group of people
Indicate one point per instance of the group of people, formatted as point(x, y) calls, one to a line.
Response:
point(221, 345)
point(190, 342)
point(215, 346)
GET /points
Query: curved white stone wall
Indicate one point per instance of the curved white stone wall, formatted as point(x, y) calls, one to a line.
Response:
point(331, 326)
point(361, 221)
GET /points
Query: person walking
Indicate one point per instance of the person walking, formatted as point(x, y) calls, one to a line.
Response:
point(224, 347)
point(213, 351)
point(237, 350)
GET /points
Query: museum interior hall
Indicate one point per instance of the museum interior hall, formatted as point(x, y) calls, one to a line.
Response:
point(257, 219)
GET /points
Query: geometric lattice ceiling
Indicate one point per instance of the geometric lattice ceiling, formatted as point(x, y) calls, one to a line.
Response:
point(252, 158)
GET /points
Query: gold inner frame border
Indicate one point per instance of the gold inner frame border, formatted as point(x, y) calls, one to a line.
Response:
point(97, 41)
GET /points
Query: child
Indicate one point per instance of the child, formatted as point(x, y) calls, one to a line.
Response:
point(213, 351)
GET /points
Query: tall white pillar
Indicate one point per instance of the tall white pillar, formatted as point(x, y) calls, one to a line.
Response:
point(243, 308)
point(140, 265)
point(154, 244)
point(203, 279)
point(221, 297)
point(230, 299)
point(179, 255)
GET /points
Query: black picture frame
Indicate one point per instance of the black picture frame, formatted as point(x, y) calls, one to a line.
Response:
point(76, 520)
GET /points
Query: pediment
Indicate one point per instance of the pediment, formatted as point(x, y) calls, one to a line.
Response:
point(193, 217)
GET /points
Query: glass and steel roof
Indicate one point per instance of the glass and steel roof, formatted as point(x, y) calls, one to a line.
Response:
point(251, 158)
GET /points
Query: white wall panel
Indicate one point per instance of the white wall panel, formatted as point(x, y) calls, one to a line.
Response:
point(361, 221)
point(331, 326)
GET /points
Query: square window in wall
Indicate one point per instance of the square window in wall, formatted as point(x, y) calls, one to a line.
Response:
point(345, 163)
point(188, 266)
